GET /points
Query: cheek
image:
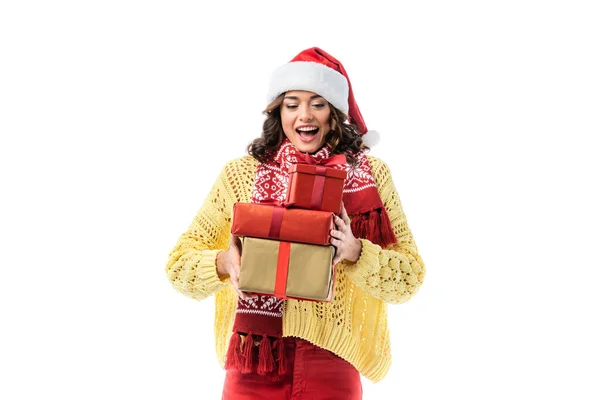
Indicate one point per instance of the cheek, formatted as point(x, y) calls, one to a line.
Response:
point(324, 121)
point(287, 121)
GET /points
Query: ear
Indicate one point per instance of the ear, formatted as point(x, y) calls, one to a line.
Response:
point(371, 138)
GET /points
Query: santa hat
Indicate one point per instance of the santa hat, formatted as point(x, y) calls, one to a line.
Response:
point(316, 71)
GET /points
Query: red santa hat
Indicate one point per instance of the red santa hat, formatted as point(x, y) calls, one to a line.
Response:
point(316, 71)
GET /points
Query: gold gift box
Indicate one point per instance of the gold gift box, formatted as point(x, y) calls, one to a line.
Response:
point(310, 269)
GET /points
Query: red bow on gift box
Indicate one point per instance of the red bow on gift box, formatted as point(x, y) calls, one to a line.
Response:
point(336, 159)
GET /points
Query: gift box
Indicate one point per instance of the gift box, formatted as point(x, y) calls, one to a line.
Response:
point(287, 269)
point(275, 222)
point(315, 187)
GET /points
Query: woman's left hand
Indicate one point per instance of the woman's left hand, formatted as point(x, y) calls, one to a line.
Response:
point(347, 246)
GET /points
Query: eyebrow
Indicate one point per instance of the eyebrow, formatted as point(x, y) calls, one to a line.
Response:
point(314, 96)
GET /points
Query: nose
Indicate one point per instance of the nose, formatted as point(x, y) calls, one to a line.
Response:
point(306, 113)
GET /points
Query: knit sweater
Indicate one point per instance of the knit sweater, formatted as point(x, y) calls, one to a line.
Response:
point(354, 324)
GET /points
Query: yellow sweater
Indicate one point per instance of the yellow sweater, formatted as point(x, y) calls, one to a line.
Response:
point(353, 325)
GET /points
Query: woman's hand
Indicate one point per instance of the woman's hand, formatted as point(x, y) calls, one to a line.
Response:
point(228, 263)
point(347, 246)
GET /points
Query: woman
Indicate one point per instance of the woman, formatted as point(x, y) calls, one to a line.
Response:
point(275, 349)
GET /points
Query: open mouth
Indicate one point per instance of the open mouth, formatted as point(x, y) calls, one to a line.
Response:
point(307, 133)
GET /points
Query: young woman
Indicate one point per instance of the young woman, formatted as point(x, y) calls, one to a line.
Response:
point(292, 349)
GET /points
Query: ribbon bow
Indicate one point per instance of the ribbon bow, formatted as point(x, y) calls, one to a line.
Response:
point(276, 203)
point(329, 161)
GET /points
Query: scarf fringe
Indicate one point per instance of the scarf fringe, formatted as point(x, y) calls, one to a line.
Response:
point(281, 359)
point(248, 359)
point(240, 356)
point(233, 359)
point(375, 226)
point(266, 363)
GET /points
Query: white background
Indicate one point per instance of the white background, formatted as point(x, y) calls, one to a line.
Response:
point(116, 117)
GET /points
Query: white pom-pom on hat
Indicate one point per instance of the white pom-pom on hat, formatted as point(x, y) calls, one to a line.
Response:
point(371, 138)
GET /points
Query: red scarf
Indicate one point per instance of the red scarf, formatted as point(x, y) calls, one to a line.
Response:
point(261, 319)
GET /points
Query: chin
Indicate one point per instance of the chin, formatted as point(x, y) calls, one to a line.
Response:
point(308, 147)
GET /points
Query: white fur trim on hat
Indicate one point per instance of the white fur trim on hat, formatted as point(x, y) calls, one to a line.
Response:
point(313, 77)
point(371, 138)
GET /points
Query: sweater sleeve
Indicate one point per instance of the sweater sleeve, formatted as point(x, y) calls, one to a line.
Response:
point(191, 265)
point(396, 273)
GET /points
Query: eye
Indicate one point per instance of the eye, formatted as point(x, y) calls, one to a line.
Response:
point(291, 106)
point(319, 105)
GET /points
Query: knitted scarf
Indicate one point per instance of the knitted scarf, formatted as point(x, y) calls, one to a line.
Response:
point(259, 321)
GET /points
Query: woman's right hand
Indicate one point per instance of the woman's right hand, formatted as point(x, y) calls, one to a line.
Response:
point(228, 263)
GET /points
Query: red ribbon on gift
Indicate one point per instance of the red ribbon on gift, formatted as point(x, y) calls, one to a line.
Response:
point(321, 173)
point(276, 220)
point(277, 217)
point(283, 261)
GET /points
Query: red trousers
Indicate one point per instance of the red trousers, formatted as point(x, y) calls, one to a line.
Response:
point(313, 373)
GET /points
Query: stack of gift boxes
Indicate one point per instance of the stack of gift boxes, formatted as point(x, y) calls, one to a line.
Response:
point(285, 247)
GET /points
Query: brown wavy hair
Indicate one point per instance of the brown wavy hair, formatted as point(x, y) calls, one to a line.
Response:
point(343, 138)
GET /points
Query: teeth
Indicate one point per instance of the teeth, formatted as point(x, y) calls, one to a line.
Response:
point(308, 128)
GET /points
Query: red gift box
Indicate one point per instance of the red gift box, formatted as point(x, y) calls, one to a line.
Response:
point(315, 187)
point(288, 224)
